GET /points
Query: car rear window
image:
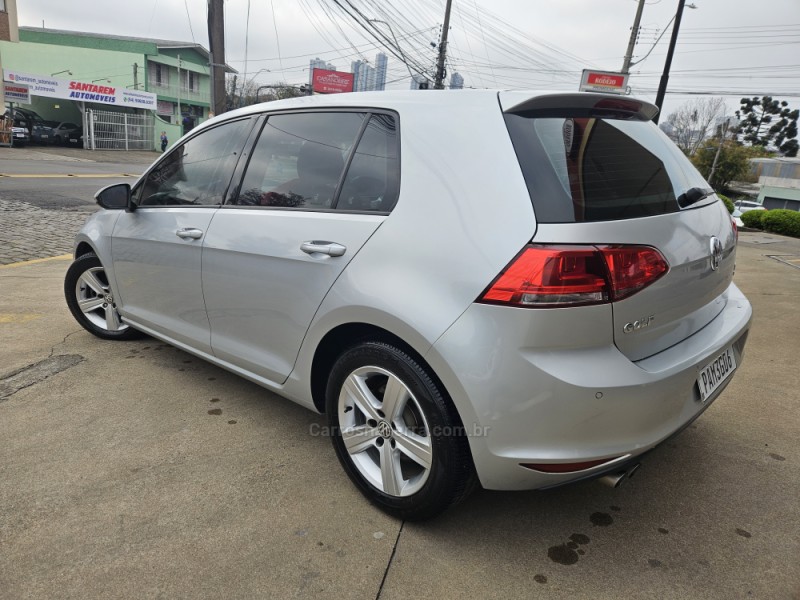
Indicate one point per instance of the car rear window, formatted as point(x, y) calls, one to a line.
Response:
point(592, 169)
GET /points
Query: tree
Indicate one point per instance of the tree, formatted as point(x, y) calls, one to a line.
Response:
point(732, 164)
point(769, 123)
point(694, 121)
point(253, 92)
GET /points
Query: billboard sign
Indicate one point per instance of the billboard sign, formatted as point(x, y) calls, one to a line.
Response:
point(331, 82)
point(74, 89)
point(17, 92)
point(604, 81)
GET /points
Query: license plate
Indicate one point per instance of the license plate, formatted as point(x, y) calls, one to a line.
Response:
point(715, 373)
point(44, 137)
point(22, 135)
point(73, 140)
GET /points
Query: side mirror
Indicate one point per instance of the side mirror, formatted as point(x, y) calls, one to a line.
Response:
point(115, 197)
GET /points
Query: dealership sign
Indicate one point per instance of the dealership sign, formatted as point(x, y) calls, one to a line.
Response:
point(17, 92)
point(604, 81)
point(332, 82)
point(82, 91)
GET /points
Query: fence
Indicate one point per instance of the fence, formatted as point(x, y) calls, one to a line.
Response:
point(106, 130)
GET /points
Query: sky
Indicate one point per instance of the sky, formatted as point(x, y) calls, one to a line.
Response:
point(729, 48)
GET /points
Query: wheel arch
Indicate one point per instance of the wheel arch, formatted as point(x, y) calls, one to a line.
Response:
point(83, 248)
point(347, 335)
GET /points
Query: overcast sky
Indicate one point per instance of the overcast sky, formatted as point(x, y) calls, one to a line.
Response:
point(726, 47)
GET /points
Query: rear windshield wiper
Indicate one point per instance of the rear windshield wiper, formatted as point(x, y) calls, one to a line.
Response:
point(693, 195)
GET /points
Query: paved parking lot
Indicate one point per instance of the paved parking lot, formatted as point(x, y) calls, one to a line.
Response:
point(136, 470)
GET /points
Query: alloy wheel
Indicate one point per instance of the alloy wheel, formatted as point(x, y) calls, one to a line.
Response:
point(385, 432)
point(96, 300)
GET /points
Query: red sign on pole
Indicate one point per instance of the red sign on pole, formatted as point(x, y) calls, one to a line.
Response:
point(604, 81)
point(331, 82)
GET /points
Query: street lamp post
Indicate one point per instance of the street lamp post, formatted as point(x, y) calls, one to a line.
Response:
point(245, 83)
point(396, 44)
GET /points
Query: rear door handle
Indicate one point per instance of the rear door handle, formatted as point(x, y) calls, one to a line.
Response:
point(318, 247)
point(189, 233)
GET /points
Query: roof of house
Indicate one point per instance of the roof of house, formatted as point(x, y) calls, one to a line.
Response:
point(159, 44)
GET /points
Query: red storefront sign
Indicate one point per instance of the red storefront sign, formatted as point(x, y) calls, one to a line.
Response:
point(331, 82)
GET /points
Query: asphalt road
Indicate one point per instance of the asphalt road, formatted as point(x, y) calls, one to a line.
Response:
point(63, 178)
point(46, 193)
point(136, 470)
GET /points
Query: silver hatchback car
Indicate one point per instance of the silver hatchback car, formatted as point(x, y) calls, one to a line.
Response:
point(507, 289)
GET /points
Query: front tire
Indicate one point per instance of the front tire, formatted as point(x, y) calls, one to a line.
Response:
point(396, 434)
point(91, 300)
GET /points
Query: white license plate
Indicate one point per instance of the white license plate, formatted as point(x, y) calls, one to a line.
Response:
point(715, 373)
point(22, 135)
point(44, 137)
point(73, 140)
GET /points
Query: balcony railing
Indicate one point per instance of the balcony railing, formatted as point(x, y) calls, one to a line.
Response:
point(175, 91)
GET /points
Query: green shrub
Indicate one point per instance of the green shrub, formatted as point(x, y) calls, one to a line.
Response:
point(785, 222)
point(752, 218)
point(726, 201)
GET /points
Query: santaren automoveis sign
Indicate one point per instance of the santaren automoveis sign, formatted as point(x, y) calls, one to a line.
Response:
point(72, 89)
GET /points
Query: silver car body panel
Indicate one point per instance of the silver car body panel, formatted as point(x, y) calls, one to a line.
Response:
point(260, 310)
point(685, 299)
point(540, 385)
point(536, 400)
point(158, 274)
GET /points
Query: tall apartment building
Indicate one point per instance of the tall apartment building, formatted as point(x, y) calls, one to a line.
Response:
point(368, 78)
point(381, 63)
point(456, 81)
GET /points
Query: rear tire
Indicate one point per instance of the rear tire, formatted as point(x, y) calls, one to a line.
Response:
point(396, 434)
point(91, 301)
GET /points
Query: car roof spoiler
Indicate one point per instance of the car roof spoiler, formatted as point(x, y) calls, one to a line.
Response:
point(579, 104)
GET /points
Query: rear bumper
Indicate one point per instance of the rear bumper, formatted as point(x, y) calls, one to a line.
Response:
point(526, 402)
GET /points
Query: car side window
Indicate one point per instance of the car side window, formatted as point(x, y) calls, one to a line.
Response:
point(197, 172)
point(299, 159)
point(372, 182)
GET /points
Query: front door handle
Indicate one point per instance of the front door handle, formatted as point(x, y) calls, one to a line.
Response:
point(318, 247)
point(189, 233)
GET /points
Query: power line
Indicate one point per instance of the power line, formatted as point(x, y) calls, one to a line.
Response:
point(277, 38)
point(189, 18)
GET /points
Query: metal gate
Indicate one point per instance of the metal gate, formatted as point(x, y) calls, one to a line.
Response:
point(107, 130)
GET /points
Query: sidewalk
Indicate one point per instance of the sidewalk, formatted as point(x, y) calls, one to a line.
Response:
point(60, 153)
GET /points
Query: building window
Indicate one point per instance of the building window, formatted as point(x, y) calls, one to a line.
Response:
point(190, 81)
point(158, 74)
point(2, 5)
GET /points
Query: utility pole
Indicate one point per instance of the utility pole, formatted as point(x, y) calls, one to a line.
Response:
point(626, 63)
point(439, 81)
point(662, 87)
point(216, 41)
point(135, 76)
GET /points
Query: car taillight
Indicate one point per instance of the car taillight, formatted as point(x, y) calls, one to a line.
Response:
point(632, 268)
point(735, 231)
point(544, 276)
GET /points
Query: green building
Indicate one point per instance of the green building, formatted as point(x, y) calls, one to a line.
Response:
point(163, 84)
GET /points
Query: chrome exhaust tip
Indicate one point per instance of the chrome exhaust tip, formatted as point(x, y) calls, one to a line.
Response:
point(615, 480)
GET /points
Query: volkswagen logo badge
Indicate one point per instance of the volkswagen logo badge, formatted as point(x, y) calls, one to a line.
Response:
point(716, 253)
point(384, 429)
